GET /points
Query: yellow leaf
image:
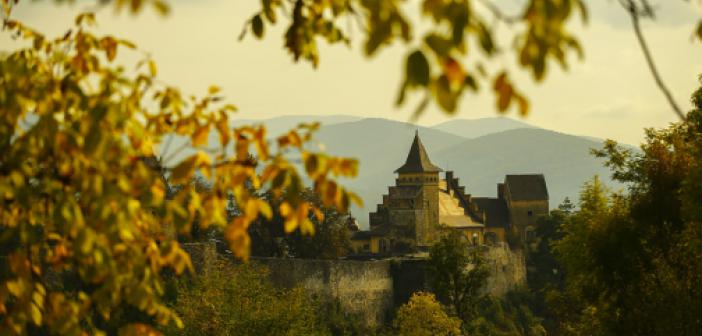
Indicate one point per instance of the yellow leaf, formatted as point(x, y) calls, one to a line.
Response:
point(161, 7)
point(290, 224)
point(306, 227)
point(523, 104)
point(89, 18)
point(223, 130)
point(318, 214)
point(199, 137)
point(35, 313)
point(109, 45)
point(454, 72)
point(239, 240)
point(213, 89)
point(16, 287)
point(265, 209)
point(285, 209)
point(183, 171)
point(152, 68)
point(127, 44)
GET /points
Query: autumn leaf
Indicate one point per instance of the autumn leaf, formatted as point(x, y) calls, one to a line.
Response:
point(200, 135)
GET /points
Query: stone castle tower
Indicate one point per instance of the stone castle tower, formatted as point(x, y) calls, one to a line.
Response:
point(412, 204)
point(422, 206)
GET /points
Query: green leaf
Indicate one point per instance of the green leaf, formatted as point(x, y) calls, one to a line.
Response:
point(470, 82)
point(257, 26)
point(485, 37)
point(401, 95)
point(417, 71)
point(444, 96)
point(438, 44)
point(376, 37)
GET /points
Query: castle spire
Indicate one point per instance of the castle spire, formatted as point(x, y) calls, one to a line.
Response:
point(417, 159)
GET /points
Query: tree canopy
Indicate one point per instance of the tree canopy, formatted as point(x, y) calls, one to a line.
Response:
point(424, 316)
point(85, 192)
point(629, 263)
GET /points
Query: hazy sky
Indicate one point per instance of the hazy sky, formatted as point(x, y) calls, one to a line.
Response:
point(611, 94)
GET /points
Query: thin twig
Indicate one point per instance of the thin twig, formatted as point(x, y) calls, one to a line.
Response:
point(244, 29)
point(633, 11)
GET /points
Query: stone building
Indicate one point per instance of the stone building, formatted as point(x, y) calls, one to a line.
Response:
point(421, 206)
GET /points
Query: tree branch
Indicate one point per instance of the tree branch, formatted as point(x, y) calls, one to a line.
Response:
point(635, 13)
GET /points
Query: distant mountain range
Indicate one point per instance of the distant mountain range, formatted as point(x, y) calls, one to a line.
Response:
point(278, 125)
point(480, 152)
point(473, 128)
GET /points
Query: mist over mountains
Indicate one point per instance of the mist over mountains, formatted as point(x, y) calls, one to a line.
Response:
point(480, 152)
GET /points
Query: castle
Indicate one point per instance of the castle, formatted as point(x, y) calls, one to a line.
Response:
point(421, 207)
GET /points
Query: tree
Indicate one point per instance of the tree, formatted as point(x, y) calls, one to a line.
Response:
point(545, 275)
point(505, 316)
point(458, 275)
point(632, 261)
point(85, 192)
point(423, 316)
point(331, 239)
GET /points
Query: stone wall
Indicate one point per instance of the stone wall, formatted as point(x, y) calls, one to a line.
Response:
point(507, 269)
point(363, 288)
point(371, 290)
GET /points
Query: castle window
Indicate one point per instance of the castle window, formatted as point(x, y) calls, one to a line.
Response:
point(366, 247)
point(530, 213)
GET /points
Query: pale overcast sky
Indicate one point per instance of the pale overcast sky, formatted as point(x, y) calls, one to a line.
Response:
point(611, 94)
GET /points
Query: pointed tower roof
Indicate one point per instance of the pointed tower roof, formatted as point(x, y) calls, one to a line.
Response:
point(417, 159)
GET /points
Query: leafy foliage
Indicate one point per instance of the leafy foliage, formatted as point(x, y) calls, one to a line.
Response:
point(545, 275)
point(83, 190)
point(227, 299)
point(437, 63)
point(628, 256)
point(458, 274)
point(331, 239)
point(423, 316)
point(509, 315)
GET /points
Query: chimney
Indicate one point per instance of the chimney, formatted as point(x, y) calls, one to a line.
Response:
point(449, 179)
point(501, 190)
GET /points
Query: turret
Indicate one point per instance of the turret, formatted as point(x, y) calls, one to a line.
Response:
point(418, 169)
